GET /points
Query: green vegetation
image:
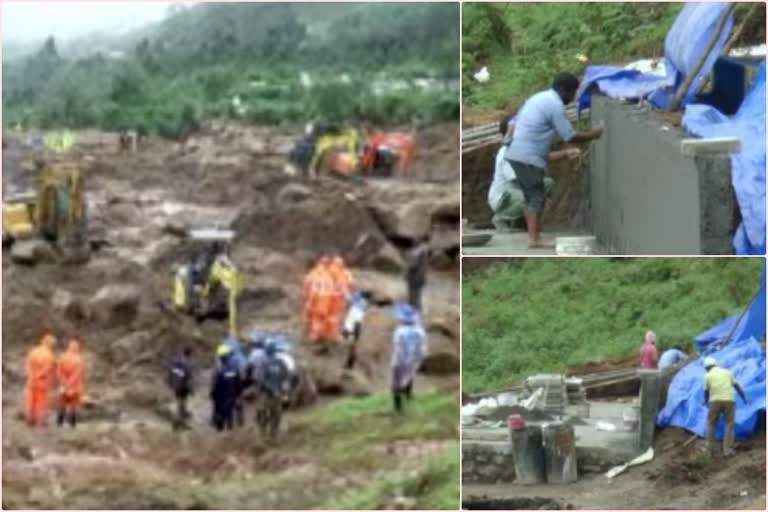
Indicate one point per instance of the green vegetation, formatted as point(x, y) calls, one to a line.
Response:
point(431, 416)
point(369, 425)
point(436, 485)
point(245, 60)
point(525, 44)
point(547, 314)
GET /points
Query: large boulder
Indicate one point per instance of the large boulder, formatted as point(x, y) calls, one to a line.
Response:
point(115, 304)
point(30, 252)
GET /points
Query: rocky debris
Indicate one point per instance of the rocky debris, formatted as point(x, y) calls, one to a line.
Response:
point(65, 302)
point(293, 193)
point(128, 347)
point(115, 304)
point(30, 252)
point(375, 251)
point(331, 379)
point(410, 221)
point(441, 363)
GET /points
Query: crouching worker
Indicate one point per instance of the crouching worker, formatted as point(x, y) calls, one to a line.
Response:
point(409, 348)
point(69, 372)
point(353, 325)
point(225, 389)
point(180, 381)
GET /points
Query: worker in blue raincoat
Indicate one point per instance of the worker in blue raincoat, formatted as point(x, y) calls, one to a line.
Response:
point(226, 387)
point(409, 346)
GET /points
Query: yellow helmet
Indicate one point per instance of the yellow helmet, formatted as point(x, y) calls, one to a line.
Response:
point(223, 350)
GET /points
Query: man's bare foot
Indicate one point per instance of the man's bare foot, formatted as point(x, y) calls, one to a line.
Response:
point(541, 244)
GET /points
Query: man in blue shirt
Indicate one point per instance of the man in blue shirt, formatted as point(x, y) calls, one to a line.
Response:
point(538, 121)
point(671, 357)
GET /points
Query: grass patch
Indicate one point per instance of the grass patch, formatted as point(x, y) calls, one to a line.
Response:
point(547, 314)
point(370, 422)
point(435, 487)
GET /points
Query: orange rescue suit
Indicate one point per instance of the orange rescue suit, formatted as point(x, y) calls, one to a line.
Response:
point(39, 366)
point(70, 375)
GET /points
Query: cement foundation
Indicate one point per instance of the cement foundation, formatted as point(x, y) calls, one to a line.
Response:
point(487, 457)
point(646, 197)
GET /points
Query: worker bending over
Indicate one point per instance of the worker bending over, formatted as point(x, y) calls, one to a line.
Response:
point(542, 117)
point(719, 384)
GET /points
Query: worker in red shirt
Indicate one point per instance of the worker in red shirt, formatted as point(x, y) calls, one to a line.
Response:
point(649, 355)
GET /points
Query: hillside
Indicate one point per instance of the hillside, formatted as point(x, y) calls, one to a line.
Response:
point(164, 79)
point(542, 314)
point(525, 44)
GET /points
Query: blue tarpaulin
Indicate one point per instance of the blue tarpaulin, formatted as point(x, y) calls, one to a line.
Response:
point(751, 324)
point(684, 44)
point(747, 166)
point(744, 356)
point(685, 399)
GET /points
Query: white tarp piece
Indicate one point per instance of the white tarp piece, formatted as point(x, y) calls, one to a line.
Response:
point(483, 75)
point(640, 459)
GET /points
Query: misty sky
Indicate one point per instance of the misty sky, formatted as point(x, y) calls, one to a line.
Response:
point(31, 20)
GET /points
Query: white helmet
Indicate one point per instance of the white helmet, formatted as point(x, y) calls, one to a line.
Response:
point(709, 362)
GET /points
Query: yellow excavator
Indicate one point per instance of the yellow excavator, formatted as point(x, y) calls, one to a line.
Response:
point(207, 283)
point(55, 210)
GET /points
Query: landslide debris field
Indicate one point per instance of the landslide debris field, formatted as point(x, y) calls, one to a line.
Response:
point(341, 447)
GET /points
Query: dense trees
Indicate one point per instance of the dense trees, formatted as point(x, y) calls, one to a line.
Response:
point(203, 58)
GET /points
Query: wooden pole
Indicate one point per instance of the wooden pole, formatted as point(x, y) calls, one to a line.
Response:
point(683, 89)
point(734, 37)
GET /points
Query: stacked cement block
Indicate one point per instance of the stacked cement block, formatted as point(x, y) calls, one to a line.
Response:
point(554, 398)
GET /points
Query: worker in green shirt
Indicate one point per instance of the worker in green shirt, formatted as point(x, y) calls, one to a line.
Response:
point(719, 384)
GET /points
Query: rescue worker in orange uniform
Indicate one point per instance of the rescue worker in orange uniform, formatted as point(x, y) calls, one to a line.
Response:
point(69, 372)
point(39, 366)
point(322, 304)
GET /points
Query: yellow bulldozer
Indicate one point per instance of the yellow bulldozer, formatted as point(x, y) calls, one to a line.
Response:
point(207, 283)
point(55, 210)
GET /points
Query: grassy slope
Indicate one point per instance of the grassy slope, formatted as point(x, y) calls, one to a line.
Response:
point(547, 37)
point(544, 38)
point(368, 423)
point(550, 314)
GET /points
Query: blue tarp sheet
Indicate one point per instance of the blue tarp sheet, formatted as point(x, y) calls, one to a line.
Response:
point(685, 399)
point(747, 166)
point(684, 44)
point(752, 324)
point(744, 356)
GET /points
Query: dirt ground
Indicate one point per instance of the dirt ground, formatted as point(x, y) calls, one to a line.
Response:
point(679, 478)
point(124, 454)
